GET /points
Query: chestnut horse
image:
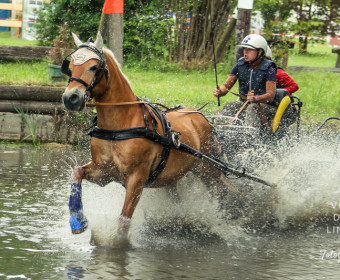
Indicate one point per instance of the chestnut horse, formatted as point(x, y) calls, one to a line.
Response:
point(94, 73)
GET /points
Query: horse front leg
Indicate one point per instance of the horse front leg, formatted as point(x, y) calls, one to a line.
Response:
point(78, 221)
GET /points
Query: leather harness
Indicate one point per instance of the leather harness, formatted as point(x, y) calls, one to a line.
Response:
point(167, 140)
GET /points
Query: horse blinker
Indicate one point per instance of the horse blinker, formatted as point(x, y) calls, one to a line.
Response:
point(65, 68)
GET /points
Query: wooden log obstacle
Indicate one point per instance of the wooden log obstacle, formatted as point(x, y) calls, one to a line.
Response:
point(38, 100)
point(26, 53)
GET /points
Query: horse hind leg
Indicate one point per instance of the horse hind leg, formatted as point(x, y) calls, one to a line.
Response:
point(212, 177)
point(219, 186)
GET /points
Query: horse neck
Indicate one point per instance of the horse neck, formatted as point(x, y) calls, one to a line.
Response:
point(118, 91)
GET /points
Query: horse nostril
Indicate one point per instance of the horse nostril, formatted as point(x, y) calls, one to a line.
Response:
point(74, 99)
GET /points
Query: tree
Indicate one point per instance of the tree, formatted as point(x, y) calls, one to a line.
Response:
point(315, 18)
point(180, 31)
point(209, 22)
point(82, 17)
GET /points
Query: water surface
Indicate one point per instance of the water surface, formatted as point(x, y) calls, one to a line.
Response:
point(288, 233)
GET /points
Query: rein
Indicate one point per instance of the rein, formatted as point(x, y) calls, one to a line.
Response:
point(94, 104)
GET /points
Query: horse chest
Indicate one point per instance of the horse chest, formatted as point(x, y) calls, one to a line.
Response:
point(117, 158)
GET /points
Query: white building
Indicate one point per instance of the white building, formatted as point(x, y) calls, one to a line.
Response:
point(29, 16)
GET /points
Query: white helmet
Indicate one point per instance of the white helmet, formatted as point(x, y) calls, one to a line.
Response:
point(254, 41)
point(269, 52)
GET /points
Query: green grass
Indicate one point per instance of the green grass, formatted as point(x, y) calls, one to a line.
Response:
point(7, 40)
point(24, 73)
point(318, 55)
point(191, 89)
point(320, 93)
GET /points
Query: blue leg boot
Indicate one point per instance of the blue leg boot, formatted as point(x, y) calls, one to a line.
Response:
point(78, 221)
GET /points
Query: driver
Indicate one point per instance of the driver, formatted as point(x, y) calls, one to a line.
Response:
point(257, 84)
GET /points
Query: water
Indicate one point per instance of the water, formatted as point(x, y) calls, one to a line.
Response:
point(292, 232)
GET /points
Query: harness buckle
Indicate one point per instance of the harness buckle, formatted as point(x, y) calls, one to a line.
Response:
point(175, 140)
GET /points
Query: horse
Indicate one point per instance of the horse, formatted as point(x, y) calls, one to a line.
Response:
point(132, 160)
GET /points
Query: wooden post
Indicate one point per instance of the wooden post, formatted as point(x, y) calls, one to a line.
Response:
point(115, 34)
point(244, 8)
point(242, 29)
point(337, 51)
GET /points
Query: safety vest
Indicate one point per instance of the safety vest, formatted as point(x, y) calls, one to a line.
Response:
point(253, 79)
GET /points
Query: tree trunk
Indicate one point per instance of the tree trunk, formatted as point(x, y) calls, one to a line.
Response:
point(222, 47)
point(209, 22)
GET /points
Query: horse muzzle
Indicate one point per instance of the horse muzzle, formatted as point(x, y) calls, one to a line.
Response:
point(74, 100)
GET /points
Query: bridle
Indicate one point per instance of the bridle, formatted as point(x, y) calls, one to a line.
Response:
point(100, 71)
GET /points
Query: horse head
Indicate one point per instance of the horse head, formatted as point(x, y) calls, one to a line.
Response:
point(87, 73)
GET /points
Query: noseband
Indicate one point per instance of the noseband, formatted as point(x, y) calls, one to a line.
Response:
point(100, 71)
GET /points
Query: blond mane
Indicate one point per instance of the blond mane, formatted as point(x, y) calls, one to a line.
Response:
point(110, 53)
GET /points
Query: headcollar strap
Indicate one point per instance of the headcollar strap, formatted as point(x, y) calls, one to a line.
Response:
point(101, 70)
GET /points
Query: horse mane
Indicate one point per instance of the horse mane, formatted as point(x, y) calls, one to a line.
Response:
point(110, 54)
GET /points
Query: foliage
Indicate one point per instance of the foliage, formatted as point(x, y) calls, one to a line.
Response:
point(177, 31)
point(209, 22)
point(63, 44)
point(312, 18)
point(145, 36)
point(31, 125)
point(82, 16)
point(269, 10)
point(151, 33)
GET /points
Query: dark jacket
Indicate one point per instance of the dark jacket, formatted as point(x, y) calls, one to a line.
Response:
point(253, 79)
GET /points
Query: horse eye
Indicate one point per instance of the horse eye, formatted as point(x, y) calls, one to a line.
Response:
point(94, 68)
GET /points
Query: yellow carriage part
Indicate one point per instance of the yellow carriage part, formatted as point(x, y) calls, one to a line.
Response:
point(285, 102)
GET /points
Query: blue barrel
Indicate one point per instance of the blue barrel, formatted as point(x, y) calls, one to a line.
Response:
point(4, 14)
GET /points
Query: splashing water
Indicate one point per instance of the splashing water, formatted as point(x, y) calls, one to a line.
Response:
point(308, 180)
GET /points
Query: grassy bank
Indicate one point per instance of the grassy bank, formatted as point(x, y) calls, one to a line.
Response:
point(7, 40)
point(319, 91)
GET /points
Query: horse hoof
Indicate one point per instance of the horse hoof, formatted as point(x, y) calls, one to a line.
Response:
point(78, 223)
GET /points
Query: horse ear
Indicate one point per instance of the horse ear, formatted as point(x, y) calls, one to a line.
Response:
point(99, 41)
point(76, 40)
